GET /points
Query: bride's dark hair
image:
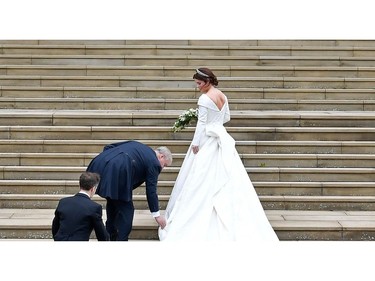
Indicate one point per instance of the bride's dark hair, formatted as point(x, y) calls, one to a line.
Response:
point(206, 75)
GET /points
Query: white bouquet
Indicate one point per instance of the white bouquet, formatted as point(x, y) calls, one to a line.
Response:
point(185, 119)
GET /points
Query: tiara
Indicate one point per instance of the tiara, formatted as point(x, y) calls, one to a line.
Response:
point(201, 73)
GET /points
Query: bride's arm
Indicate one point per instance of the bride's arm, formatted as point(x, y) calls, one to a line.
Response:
point(199, 130)
point(226, 114)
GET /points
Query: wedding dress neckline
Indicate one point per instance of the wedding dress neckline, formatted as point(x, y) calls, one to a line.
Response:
point(220, 109)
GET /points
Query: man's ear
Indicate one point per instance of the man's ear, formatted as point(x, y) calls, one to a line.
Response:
point(93, 189)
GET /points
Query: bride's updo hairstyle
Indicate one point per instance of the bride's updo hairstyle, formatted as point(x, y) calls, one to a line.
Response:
point(206, 75)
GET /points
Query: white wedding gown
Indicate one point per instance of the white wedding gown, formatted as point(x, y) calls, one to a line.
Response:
point(213, 198)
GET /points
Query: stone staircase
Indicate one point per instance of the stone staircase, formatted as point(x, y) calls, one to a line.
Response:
point(302, 117)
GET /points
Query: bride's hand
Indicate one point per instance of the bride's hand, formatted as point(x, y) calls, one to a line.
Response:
point(195, 148)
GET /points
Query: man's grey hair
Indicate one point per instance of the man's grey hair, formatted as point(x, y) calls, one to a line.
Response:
point(166, 152)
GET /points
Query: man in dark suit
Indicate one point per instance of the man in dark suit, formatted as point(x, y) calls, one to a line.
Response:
point(123, 167)
point(76, 216)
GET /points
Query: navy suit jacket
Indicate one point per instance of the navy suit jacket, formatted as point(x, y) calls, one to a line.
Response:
point(124, 166)
point(76, 217)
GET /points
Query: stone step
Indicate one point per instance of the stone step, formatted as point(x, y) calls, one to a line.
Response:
point(291, 188)
point(288, 224)
point(185, 82)
point(269, 202)
point(249, 160)
point(134, 104)
point(165, 187)
point(209, 42)
point(187, 71)
point(160, 48)
point(190, 60)
point(272, 174)
point(316, 188)
point(181, 146)
point(186, 94)
point(99, 119)
point(309, 160)
point(156, 133)
point(75, 42)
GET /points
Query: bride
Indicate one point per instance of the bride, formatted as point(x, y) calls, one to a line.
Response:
point(213, 198)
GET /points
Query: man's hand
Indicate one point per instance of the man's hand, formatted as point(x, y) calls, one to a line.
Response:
point(161, 221)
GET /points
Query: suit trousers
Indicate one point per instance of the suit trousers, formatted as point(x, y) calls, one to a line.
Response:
point(120, 216)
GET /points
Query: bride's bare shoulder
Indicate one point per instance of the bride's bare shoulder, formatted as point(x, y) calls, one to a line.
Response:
point(220, 95)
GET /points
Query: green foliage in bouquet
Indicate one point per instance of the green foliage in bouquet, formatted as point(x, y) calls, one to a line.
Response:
point(185, 119)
